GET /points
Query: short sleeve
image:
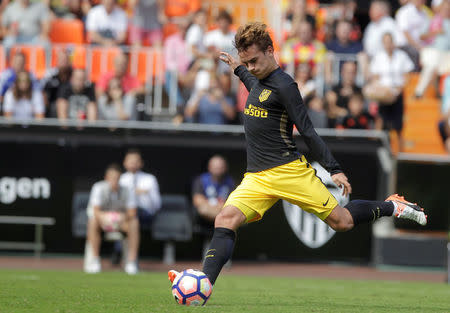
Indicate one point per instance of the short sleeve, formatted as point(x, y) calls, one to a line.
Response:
point(193, 35)
point(8, 102)
point(90, 20)
point(402, 19)
point(95, 198)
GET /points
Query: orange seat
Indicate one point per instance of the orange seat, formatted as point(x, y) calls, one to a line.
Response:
point(67, 31)
point(101, 61)
point(181, 7)
point(35, 59)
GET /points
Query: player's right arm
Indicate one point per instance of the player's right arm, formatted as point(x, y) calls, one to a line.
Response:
point(240, 70)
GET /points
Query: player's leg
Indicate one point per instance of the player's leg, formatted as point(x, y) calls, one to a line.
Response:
point(222, 242)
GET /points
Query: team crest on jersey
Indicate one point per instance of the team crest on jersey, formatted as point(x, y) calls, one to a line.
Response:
point(264, 95)
point(308, 228)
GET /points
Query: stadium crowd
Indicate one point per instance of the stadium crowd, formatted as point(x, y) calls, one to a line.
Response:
point(350, 75)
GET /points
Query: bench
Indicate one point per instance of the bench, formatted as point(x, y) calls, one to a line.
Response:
point(37, 245)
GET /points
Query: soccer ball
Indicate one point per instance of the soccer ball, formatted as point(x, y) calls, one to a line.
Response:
point(191, 287)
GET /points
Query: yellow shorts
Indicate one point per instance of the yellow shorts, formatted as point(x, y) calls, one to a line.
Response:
point(295, 182)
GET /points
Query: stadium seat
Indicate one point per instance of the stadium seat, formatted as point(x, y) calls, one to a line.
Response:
point(67, 31)
point(146, 62)
point(101, 61)
point(35, 59)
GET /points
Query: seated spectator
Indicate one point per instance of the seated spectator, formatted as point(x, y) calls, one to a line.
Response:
point(221, 39)
point(435, 58)
point(76, 99)
point(106, 24)
point(195, 35)
point(342, 44)
point(337, 98)
point(115, 105)
point(147, 22)
point(22, 101)
point(410, 19)
point(26, 22)
point(388, 69)
point(112, 208)
point(68, 9)
point(210, 106)
point(210, 190)
point(302, 48)
point(306, 85)
point(317, 113)
point(130, 84)
point(380, 23)
point(356, 118)
point(54, 79)
point(8, 76)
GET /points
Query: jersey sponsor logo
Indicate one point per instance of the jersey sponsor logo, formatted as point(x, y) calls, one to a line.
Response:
point(264, 95)
point(255, 111)
point(308, 228)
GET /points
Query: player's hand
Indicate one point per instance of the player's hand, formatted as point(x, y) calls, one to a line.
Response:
point(342, 182)
point(227, 58)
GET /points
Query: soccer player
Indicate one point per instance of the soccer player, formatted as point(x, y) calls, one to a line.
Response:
point(275, 169)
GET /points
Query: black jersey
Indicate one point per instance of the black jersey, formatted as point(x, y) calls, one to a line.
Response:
point(273, 106)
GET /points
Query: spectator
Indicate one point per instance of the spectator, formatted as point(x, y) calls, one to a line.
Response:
point(210, 191)
point(356, 118)
point(295, 13)
point(302, 48)
point(76, 99)
point(444, 123)
point(317, 113)
point(130, 84)
point(388, 69)
point(112, 208)
point(26, 22)
point(210, 106)
point(435, 58)
point(68, 9)
point(221, 39)
point(337, 98)
point(147, 21)
point(195, 35)
point(306, 85)
point(8, 76)
point(115, 105)
point(54, 79)
point(410, 19)
point(344, 45)
point(380, 23)
point(106, 24)
point(22, 101)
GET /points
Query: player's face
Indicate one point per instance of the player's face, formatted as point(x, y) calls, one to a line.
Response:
point(258, 63)
point(132, 162)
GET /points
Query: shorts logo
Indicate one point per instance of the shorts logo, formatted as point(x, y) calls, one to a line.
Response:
point(255, 111)
point(308, 228)
point(264, 95)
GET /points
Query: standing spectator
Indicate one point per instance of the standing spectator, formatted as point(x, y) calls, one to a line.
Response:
point(26, 22)
point(115, 105)
point(22, 101)
point(356, 118)
point(210, 106)
point(195, 35)
point(130, 84)
point(337, 98)
point(435, 58)
point(8, 76)
point(106, 24)
point(342, 44)
point(302, 48)
point(388, 69)
point(306, 85)
point(211, 189)
point(147, 21)
point(295, 13)
point(380, 23)
point(221, 39)
point(112, 208)
point(410, 19)
point(76, 100)
point(54, 79)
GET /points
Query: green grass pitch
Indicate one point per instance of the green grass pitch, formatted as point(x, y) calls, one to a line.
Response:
point(69, 291)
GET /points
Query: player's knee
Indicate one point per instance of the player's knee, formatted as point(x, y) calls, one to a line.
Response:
point(230, 217)
point(342, 226)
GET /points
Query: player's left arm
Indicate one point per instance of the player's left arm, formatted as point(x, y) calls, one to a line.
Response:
point(293, 102)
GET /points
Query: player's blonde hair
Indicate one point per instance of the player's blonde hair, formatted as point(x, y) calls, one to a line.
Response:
point(252, 33)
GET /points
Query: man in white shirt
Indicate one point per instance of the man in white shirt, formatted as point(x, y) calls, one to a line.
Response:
point(410, 19)
point(380, 23)
point(106, 24)
point(112, 208)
